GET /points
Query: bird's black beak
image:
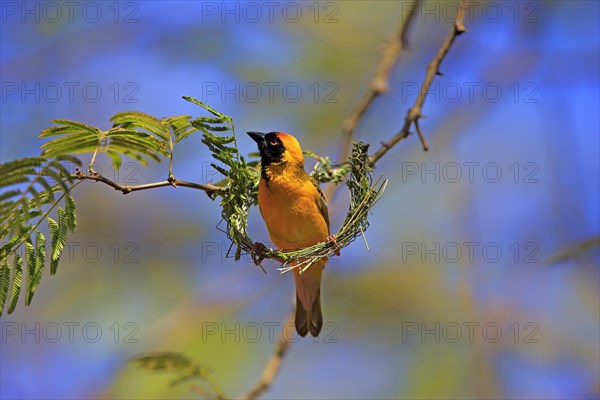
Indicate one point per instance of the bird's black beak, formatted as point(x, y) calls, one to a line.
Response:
point(258, 137)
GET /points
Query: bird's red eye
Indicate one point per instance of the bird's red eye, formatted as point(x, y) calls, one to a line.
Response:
point(274, 143)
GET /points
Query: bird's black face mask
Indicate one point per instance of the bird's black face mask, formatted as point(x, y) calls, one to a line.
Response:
point(270, 148)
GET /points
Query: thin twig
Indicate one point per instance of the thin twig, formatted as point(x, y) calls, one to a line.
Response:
point(433, 69)
point(209, 189)
point(379, 85)
point(274, 363)
point(575, 250)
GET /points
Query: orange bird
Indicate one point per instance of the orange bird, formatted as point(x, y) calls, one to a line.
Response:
point(295, 212)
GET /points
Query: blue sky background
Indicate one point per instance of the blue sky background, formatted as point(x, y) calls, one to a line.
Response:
point(519, 97)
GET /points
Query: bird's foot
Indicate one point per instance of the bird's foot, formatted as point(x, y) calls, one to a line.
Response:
point(255, 251)
point(336, 249)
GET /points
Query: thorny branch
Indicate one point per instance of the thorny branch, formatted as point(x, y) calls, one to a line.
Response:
point(380, 82)
point(171, 181)
point(414, 114)
point(379, 85)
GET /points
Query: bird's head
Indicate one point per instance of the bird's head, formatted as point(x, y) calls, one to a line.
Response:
point(278, 148)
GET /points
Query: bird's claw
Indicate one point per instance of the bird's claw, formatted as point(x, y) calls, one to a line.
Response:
point(336, 248)
point(254, 253)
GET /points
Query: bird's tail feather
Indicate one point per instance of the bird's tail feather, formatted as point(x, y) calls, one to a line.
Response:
point(309, 321)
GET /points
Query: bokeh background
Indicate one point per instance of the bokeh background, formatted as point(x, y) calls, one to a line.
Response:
point(476, 283)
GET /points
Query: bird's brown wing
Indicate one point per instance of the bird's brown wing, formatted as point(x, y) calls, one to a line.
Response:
point(321, 203)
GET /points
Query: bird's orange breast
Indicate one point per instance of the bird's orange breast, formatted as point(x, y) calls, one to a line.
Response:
point(289, 206)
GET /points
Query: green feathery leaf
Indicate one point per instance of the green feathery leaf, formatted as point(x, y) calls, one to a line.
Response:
point(61, 238)
point(68, 126)
point(16, 283)
point(30, 259)
point(4, 284)
point(70, 213)
point(136, 119)
point(34, 279)
point(206, 107)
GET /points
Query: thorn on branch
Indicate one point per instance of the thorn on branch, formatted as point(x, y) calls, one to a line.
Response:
point(459, 29)
point(171, 179)
point(421, 137)
point(385, 145)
